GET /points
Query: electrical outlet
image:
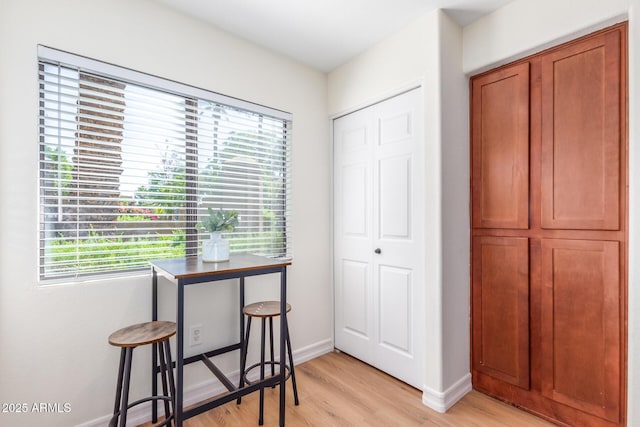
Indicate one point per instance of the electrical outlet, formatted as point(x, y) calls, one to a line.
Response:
point(195, 335)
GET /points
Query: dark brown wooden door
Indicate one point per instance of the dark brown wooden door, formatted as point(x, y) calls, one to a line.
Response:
point(581, 325)
point(501, 308)
point(581, 135)
point(501, 148)
point(549, 231)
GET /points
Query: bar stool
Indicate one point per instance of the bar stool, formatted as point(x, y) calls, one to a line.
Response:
point(134, 336)
point(266, 310)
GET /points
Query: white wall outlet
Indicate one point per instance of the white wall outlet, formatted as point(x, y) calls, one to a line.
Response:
point(195, 335)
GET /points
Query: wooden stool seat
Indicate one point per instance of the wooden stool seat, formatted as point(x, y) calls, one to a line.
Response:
point(143, 334)
point(264, 309)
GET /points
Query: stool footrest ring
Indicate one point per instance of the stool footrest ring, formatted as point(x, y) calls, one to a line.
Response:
point(137, 402)
point(266, 363)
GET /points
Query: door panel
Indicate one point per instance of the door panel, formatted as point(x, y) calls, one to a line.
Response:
point(395, 297)
point(501, 308)
point(500, 154)
point(354, 200)
point(355, 295)
point(398, 126)
point(355, 138)
point(379, 237)
point(353, 203)
point(395, 198)
point(581, 325)
point(398, 212)
point(581, 135)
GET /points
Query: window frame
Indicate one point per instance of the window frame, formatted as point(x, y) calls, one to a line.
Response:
point(190, 94)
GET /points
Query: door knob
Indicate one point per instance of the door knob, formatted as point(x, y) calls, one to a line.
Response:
point(378, 251)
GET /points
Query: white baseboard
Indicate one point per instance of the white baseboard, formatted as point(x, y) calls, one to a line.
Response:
point(207, 389)
point(442, 401)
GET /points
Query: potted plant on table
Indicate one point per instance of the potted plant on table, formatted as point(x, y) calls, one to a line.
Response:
point(216, 249)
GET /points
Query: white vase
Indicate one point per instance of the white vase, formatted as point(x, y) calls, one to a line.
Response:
point(216, 249)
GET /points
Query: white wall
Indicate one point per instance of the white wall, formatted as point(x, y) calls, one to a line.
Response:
point(523, 27)
point(429, 51)
point(54, 339)
point(455, 207)
point(526, 26)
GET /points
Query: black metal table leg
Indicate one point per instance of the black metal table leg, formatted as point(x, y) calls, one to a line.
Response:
point(283, 313)
point(154, 349)
point(179, 354)
point(243, 355)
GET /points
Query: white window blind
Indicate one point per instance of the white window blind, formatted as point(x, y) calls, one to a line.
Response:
point(129, 164)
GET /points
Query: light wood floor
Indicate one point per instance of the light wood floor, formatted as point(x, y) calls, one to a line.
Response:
point(338, 390)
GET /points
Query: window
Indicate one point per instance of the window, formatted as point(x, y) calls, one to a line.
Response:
point(129, 162)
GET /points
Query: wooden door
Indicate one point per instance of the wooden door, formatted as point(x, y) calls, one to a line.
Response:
point(549, 245)
point(501, 308)
point(581, 325)
point(581, 135)
point(379, 237)
point(500, 170)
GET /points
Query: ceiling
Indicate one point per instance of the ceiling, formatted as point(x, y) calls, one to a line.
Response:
point(323, 33)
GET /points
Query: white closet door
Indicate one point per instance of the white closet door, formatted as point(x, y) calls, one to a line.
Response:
point(379, 237)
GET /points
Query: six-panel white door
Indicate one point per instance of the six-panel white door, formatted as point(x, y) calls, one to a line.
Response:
point(379, 237)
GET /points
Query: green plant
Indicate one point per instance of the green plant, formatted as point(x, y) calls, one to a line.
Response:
point(97, 252)
point(219, 220)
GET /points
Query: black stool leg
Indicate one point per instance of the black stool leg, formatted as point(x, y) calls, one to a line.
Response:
point(262, 351)
point(273, 373)
point(127, 381)
point(163, 377)
point(172, 387)
point(116, 406)
point(243, 357)
point(293, 372)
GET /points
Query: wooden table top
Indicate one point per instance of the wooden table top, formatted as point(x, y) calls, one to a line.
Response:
point(189, 267)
